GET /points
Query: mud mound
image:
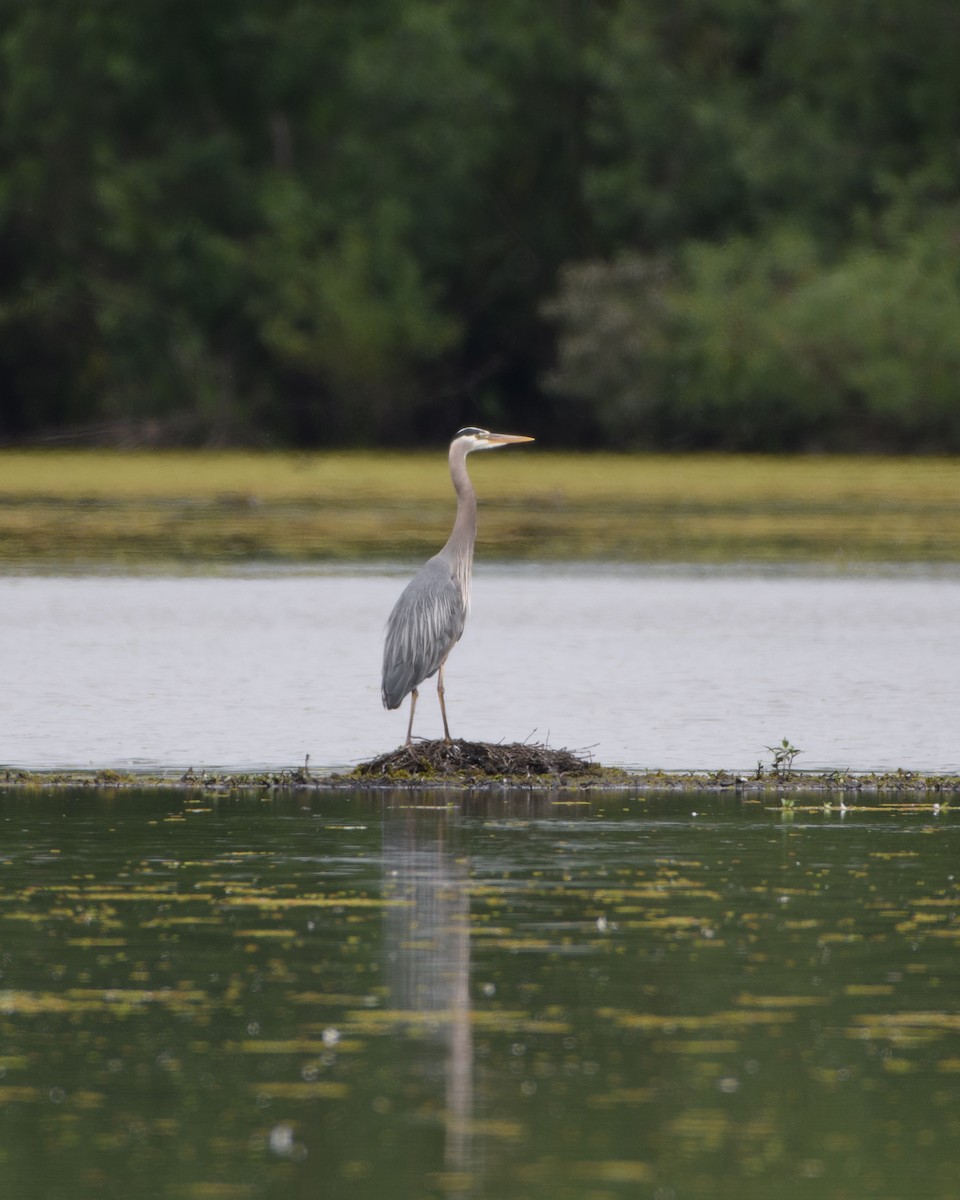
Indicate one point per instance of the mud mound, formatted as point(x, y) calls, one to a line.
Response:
point(475, 760)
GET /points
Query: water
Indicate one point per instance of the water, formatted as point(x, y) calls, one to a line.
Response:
point(642, 668)
point(498, 998)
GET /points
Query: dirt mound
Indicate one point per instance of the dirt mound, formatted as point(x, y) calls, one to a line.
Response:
point(475, 760)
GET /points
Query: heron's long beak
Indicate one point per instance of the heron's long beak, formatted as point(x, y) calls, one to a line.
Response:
point(505, 439)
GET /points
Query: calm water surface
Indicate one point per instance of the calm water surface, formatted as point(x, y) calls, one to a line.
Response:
point(498, 998)
point(675, 669)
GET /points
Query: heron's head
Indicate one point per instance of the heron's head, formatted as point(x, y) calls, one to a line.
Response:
point(472, 439)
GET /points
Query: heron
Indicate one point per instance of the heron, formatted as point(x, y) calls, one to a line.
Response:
point(428, 619)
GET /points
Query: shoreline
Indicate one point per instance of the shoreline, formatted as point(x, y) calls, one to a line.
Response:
point(919, 784)
point(129, 510)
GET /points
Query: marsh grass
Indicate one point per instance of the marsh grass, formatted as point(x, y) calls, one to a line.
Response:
point(60, 507)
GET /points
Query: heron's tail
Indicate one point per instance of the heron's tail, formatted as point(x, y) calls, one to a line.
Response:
point(398, 682)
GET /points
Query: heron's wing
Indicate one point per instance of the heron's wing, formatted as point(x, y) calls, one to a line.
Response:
point(425, 625)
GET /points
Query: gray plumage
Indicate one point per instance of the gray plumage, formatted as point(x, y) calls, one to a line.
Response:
point(424, 627)
point(428, 619)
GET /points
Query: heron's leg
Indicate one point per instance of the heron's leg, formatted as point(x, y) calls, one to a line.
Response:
point(443, 708)
point(413, 705)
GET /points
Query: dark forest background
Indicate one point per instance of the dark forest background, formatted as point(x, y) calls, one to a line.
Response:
point(662, 223)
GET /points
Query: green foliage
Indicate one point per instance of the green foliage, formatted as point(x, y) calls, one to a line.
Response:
point(339, 223)
point(613, 348)
point(766, 343)
point(346, 305)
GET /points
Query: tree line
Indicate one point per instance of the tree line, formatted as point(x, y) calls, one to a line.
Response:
point(664, 223)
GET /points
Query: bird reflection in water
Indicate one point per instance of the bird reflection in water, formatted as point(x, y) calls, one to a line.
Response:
point(427, 945)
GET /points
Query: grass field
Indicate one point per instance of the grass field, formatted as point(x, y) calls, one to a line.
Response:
point(112, 508)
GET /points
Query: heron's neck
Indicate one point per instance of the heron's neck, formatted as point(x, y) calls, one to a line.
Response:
point(460, 542)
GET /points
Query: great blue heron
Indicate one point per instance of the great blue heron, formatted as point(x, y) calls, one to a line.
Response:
point(428, 619)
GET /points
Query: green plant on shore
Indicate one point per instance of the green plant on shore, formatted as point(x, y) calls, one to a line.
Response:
point(783, 756)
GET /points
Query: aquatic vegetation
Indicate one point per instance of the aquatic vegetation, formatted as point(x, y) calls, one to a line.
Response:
point(210, 993)
point(182, 507)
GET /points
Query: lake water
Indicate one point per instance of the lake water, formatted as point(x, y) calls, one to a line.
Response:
point(502, 998)
point(644, 668)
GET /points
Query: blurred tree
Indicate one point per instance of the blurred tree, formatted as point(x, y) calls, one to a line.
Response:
point(762, 344)
point(613, 352)
point(784, 177)
point(129, 191)
point(332, 223)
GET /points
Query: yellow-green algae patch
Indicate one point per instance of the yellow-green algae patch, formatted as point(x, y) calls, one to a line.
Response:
point(280, 903)
point(58, 506)
point(300, 1090)
point(614, 1171)
point(117, 1000)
